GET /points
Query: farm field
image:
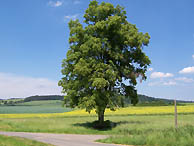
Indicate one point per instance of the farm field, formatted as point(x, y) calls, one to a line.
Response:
point(129, 129)
point(82, 125)
point(38, 109)
point(148, 126)
point(44, 106)
point(140, 110)
point(15, 141)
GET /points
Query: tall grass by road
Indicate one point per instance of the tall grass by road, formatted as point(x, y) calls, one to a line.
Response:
point(183, 136)
point(16, 141)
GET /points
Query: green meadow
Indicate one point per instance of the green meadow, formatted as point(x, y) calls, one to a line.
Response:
point(149, 130)
point(16, 141)
point(43, 106)
point(138, 130)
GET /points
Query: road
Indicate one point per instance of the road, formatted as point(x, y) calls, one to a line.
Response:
point(61, 139)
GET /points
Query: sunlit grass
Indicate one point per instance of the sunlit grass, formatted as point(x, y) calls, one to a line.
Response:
point(16, 141)
point(128, 124)
point(183, 136)
point(136, 121)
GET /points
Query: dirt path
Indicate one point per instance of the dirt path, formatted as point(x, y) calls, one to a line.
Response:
point(61, 139)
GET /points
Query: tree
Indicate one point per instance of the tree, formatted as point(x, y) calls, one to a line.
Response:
point(104, 60)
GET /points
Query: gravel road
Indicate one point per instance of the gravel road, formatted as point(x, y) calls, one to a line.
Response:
point(61, 139)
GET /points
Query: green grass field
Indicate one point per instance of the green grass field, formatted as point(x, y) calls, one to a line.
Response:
point(150, 130)
point(81, 125)
point(44, 106)
point(140, 130)
point(16, 141)
point(183, 136)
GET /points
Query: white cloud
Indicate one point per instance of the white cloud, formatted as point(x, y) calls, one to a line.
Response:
point(73, 17)
point(169, 83)
point(162, 83)
point(187, 70)
point(55, 3)
point(150, 69)
point(193, 56)
point(185, 79)
point(75, 2)
point(160, 75)
point(19, 86)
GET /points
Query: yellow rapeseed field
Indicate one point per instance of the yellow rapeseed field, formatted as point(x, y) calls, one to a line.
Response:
point(149, 110)
point(138, 110)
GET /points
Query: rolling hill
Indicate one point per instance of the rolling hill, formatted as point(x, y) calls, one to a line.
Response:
point(143, 100)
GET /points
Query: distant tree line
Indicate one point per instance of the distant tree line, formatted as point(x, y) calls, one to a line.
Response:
point(11, 102)
point(144, 98)
point(47, 97)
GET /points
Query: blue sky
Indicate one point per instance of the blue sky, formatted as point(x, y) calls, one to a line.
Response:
point(34, 40)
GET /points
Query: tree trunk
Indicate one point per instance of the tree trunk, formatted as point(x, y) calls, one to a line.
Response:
point(101, 117)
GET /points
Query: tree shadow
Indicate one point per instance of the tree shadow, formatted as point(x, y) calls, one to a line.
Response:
point(107, 125)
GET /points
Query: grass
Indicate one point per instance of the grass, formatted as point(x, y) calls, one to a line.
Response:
point(44, 106)
point(183, 136)
point(148, 126)
point(16, 141)
point(81, 125)
point(147, 130)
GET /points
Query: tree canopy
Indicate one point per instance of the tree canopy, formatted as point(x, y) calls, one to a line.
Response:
point(104, 60)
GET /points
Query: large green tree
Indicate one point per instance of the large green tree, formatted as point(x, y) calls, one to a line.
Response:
point(104, 60)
